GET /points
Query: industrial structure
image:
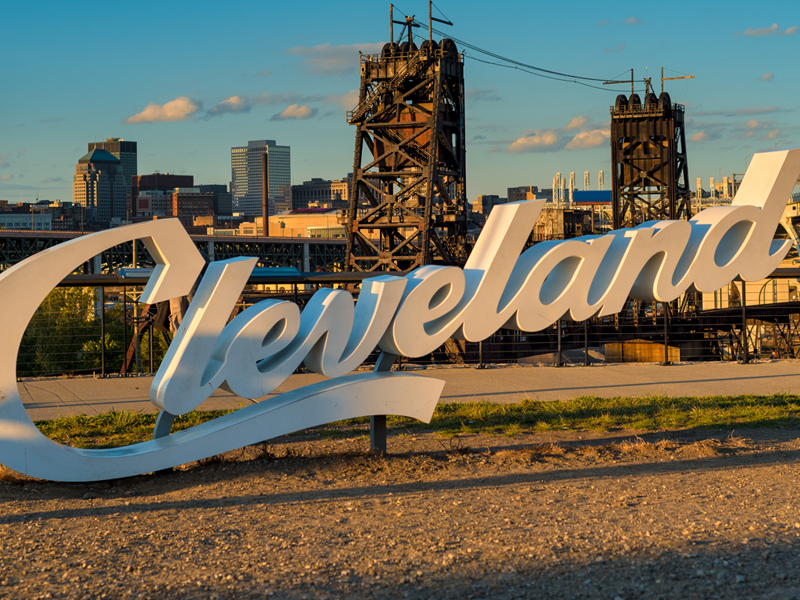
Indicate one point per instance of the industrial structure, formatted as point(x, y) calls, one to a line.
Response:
point(648, 158)
point(408, 198)
point(305, 254)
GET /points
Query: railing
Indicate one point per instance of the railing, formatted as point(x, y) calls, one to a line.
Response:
point(645, 110)
point(407, 70)
point(93, 325)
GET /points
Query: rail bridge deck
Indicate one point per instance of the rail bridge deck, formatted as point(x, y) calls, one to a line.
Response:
point(305, 254)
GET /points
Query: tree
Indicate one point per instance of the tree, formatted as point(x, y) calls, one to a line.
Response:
point(54, 339)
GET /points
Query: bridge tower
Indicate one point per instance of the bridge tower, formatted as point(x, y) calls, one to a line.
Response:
point(648, 157)
point(408, 194)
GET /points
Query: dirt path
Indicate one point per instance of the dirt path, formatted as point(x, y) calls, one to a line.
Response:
point(573, 515)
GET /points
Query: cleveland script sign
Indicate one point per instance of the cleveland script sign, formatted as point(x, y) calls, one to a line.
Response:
point(403, 316)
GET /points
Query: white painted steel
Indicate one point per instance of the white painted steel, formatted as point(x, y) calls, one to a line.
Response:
point(409, 316)
point(24, 449)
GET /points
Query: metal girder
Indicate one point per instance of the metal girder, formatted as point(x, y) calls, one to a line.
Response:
point(326, 257)
point(408, 199)
point(270, 254)
point(16, 249)
point(649, 165)
point(122, 256)
point(322, 255)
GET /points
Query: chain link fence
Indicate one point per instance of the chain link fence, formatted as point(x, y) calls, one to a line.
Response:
point(105, 331)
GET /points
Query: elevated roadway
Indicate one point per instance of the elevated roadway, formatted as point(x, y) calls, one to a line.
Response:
point(304, 254)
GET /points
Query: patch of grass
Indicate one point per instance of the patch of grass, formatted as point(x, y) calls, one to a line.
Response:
point(589, 412)
point(650, 413)
point(115, 428)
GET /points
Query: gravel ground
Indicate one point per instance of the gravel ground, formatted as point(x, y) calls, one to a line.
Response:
point(569, 515)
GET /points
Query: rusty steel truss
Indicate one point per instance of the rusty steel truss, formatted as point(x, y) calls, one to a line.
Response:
point(301, 253)
point(648, 155)
point(408, 198)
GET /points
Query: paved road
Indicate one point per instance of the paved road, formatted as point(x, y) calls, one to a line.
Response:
point(51, 398)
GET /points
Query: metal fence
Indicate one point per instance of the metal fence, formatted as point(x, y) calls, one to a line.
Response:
point(104, 330)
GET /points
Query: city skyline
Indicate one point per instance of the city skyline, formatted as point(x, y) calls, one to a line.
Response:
point(186, 102)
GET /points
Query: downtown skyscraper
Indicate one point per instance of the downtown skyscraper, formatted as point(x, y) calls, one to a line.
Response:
point(260, 162)
point(99, 187)
point(126, 152)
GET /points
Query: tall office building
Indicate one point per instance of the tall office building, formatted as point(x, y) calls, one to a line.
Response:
point(251, 166)
point(126, 153)
point(322, 192)
point(99, 186)
point(160, 182)
point(222, 197)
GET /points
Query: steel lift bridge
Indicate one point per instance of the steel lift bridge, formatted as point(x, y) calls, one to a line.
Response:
point(408, 198)
point(648, 157)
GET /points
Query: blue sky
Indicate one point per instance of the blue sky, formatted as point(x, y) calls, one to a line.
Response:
point(188, 80)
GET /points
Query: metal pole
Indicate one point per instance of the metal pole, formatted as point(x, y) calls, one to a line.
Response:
point(391, 23)
point(102, 331)
point(744, 324)
point(152, 341)
point(124, 370)
point(559, 363)
point(377, 423)
point(480, 354)
point(666, 335)
point(137, 334)
point(377, 434)
point(430, 22)
point(586, 343)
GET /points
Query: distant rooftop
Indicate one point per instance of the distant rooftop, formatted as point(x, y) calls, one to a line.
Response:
point(311, 211)
point(97, 155)
point(593, 196)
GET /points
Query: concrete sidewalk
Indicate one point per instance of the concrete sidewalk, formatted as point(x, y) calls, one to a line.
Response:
point(57, 397)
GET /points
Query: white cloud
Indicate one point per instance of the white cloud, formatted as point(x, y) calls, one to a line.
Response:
point(620, 47)
point(4, 159)
point(295, 111)
point(767, 31)
point(603, 22)
point(576, 122)
point(346, 101)
point(772, 134)
point(589, 139)
point(7, 177)
point(22, 152)
point(753, 123)
point(234, 104)
point(632, 21)
point(536, 142)
point(700, 136)
point(52, 179)
point(180, 109)
point(243, 104)
point(767, 76)
point(578, 134)
point(333, 60)
point(489, 95)
point(264, 73)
